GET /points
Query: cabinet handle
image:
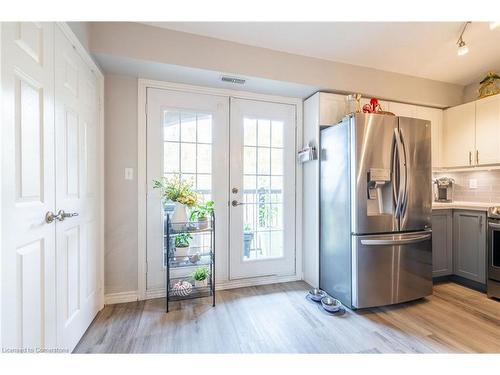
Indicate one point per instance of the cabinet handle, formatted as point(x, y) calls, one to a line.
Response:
point(477, 156)
point(480, 222)
point(470, 157)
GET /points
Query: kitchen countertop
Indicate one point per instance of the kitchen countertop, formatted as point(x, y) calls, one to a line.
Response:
point(477, 206)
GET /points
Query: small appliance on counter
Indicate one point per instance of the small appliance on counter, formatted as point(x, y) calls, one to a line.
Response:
point(443, 189)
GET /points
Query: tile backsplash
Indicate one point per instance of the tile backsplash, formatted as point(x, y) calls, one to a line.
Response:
point(488, 185)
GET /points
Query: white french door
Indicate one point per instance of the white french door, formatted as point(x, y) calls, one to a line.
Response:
point(28, 293)
point(262, 184)
point(76, 118)
point(247, 156)
point(51, 282)
point(187, 135)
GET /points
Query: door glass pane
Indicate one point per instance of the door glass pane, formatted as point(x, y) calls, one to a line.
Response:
point(171, 129)
point(188, 149)
point(188, 127)
point(263, 189)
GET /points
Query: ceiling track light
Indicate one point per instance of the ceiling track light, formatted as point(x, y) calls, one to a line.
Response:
point(494, 25)
point(462, 47)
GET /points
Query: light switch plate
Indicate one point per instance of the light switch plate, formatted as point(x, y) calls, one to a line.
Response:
point(129, 173)
point(473, 183)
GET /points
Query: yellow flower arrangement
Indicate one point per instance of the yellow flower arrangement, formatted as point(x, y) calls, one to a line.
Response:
point(176, 190)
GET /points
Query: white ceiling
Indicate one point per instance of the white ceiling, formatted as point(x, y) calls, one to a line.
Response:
point(421, 49)
point(200, 77)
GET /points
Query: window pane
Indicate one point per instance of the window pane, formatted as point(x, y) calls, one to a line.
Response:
point(263, 184)
point(249, 184)
point(264, 164)
point(276, 216)
point(188, 158)
point(276, 161)
point(171, 126)
point(188, 127)
point(204, 183)
point(189, 178)
point(264, 132)
point(204, 158)
point(249, 160)
point(277, 134)
point(276, 247)
point(250, 132)
point(204, 128)
point(171, 157)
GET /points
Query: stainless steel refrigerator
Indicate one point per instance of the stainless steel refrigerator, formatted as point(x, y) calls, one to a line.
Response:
point(375, 210)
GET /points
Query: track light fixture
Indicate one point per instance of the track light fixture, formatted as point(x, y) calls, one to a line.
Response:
point(462, 47)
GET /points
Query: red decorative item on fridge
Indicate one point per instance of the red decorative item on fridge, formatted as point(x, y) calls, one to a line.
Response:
point(373, 107)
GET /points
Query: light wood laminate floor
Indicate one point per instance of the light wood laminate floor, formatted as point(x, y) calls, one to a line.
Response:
point(279, 319)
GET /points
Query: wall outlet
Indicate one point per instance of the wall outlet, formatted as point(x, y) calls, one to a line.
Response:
point(473, 183)
point(129, 173)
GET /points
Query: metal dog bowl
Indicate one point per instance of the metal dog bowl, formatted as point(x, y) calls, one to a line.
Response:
point(316, 294)
point(330, 304)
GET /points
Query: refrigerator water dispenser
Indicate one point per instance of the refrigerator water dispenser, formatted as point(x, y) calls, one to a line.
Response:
point(378, 183)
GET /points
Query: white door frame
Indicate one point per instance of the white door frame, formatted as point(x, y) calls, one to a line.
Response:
point(84, 54)
point(143, 84)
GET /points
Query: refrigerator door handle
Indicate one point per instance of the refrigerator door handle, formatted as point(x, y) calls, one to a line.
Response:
point(404, 199)
point(395, 174)
point(395, 242)
point(401, 172)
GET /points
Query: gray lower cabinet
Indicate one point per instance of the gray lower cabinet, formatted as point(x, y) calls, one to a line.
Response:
point(469, 245)
point(442, 243)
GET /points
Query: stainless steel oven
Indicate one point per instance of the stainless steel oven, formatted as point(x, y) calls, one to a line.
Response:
point(493, 286)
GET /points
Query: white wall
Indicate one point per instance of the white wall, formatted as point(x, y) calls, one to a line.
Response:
point(147, 43)
point(120, 257)
point(470, 92)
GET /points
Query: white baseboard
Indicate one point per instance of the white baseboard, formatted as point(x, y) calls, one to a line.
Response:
point(232, 284)
point(121, 297)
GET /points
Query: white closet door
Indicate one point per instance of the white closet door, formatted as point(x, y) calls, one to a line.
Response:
point(76, 192)
point(28, 250)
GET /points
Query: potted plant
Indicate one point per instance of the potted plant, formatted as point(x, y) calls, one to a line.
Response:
point(247, 240)
point(200, 276)
point(182, 241)
point(178, 191)
point(201, 212)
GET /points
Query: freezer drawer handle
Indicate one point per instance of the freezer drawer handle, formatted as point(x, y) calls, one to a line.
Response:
point(382, 242)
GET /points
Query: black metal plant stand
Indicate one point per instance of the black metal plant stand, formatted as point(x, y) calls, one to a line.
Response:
point(179, 268)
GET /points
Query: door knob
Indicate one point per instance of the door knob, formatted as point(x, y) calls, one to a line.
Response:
point(236, 203)
point(50, 217)
point(63, 215)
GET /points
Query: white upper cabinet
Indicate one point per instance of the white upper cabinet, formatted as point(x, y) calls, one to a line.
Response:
point(459, 136)
point(471, 134)
point(435, 116)
point(488, 130)
point(403, 110)
point(332, 108)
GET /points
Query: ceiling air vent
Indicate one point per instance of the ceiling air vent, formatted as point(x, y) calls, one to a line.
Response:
point(234, 80)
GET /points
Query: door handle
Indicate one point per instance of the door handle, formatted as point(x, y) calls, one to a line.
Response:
point(235, 203)
point(63, 215)
point(50, 217)
point(403, 241)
